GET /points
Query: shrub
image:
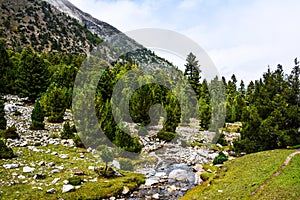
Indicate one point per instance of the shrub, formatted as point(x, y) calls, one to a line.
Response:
point(5, 152)
point(220, 159)
point(2, 115)
point(37, 117)
point(10, 132)
point(222, 140)
point(75, 180)
point(67, 132)
point(167, 136)
point(126, 164)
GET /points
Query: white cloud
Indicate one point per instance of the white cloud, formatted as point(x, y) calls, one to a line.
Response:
point(242, 37)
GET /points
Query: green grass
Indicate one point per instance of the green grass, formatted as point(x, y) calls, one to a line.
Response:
point(286, 185)
point(238, 178)
point(89, 190)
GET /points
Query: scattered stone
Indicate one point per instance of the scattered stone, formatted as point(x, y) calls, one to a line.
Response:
point(64, 156)
point(11, 166)
point(151, 181)
point(155, 196)
point(55, 181)
point(66, 182)
point(79, 172)
point(178, 174)
point(55, 171)
point(67, 188)
point(220, 191)
point(51, 191)
point(91, 168)
point(77, 187)
point(171, 188)
point(21, 177)
point(125, 190)
point(39, 176)
point(51, 164)
point(28, 169)
point(42, 163)
point(54, 153)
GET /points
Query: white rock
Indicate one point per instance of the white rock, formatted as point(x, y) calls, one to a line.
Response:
point(220, 191)
point(151, 181)
point(64, 156)
point(66, 182)
point(178, 174)
point(55, 180)
point(125, 190)
point(160, 174)
point(91, 168)
point(54, 153)
point(10, 166)
point(67, 188)
point(51, 191)
point(155, 196)
point(21, 177)
point(28, 169)
point(55, 171)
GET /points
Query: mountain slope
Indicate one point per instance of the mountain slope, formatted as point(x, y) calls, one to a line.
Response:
point(42, 26)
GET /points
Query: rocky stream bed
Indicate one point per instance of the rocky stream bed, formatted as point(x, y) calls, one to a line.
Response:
point(175, 169)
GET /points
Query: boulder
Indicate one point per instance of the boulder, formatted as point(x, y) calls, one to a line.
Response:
point(178, 174)
point(67, 188)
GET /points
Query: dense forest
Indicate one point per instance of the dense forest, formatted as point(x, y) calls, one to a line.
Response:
point(268, 108)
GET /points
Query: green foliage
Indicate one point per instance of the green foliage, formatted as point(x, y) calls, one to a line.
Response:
point(75, 180)
point(220, 159)
point(5, 152)
point(37, 117)
point(33, 75)
point(167, 136)
point(10, 132)
point(67, 132)
point(205, 176)
point(126, 164)
point(54, 103)
point(2, 115)
point(192, 72)
point(272, 119)
point(222, 140)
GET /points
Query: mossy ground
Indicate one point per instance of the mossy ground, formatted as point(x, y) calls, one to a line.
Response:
point(88, 190)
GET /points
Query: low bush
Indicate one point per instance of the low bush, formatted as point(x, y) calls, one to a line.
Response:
point(67, 132)
point(75, 180)
point(10, 132)
point(220, 159)
point(5, 152)
point(167, 136)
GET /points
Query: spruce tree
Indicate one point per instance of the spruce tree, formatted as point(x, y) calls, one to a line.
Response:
point(33, 74)
point(192, 72)
point(37, 117)
point(5, 66)
point(54, 102)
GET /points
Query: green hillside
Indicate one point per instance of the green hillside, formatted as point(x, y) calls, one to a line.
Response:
point(239, 178)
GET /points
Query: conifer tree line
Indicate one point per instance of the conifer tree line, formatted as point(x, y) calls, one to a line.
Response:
point(268, 108)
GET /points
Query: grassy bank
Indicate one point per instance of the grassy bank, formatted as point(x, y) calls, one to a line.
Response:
point(238, 178)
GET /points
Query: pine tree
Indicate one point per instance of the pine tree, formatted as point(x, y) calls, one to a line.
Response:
point(33, 74)
point(2, 115)
point(192, 72)
point(54, 103)
point(204, 106)
point(37, 117)
point(5, 66)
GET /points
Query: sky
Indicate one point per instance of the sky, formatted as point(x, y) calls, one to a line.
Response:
point(242, 37)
